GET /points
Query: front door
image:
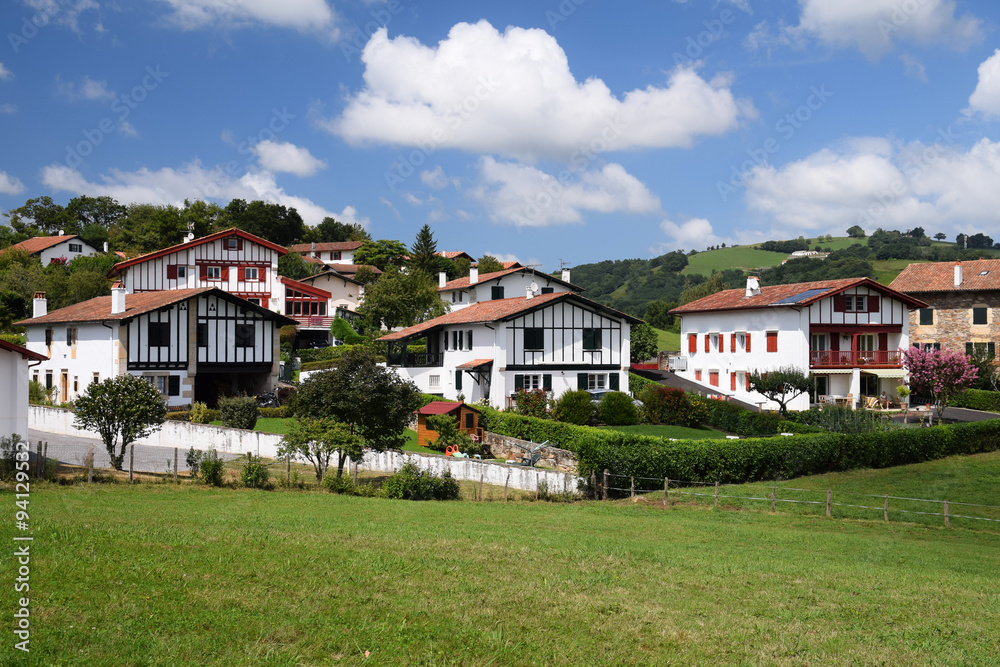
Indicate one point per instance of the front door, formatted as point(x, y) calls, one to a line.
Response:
point(820, 387)
point(64, 387)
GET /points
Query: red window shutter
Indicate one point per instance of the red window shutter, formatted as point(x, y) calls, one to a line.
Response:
point(732, 343)
point(874, 303)
point(883, 341)
point(713, 378)
point(262, 274)
point(707, 343)
point(241, 274)
point(732, 381)
point(239, 243)
point(692, 343)
point(772, 341)
point(747, 376)
point(171, 272)
point(697, 375)
point(835, 342)
point(839, 303)
point(748, 342)
point(203, 272)
point(225, 273)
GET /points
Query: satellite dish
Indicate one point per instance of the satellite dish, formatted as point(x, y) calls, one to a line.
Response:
point(533, 286)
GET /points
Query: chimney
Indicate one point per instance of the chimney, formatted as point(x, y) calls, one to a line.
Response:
point(753, 286)
point(565, 275)
point(40, 305)
point(958, 274)
point(105, 246)
point(473, 275)
point(312, 249)
point(117, 298)
point(62, 232)
point(528, 293)
point(442, 279)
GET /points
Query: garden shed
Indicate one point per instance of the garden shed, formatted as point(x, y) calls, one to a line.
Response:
point(466, 416)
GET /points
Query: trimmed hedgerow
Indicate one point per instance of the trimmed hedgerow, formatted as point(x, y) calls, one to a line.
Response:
point(977, 399)
point(617, 409)
point(636, 383)
point(732, 418)
point(239, 411)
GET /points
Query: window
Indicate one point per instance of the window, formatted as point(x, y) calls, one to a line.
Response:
point(255, 302)
point(232, 243)
point(174, 385)
point(854, 304)
point(48, 337)
point(159, 334)
point(496, 292)
point(866, 343)
point(434, 381)
point(97, 377)
point(457, 296)
point(532, 382)
point(70, 335)
point(245, 335)
point(48, 379)
point(161, 383)
point(468, 340)
point(470, 420)
point(818, 343)
point(458, 379)
point(692, 343)
point(76, 384)
point(335, 254)
point(743, 341)
point(927, 346)
point(772, 341)
point(202, 334)
point(34, 376)
point(592, 339)
point(715, 341)
point(534, 339)
point(597, 381)
point(548, 290)
point(697, 374)
point(250, 273)
point(926, 316)
point(713, 378)
point(979, 315)
point(980, 349)
point(213, 273)
point(76, 247)
point(182, 272)
point(457, 340)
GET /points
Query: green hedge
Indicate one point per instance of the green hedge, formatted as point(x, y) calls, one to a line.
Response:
point(561, 434)
point(977, 399)
point(318, 365)
point(732, 418)
point(637, 383)
point(279, 413)
point(431, 398)
point(756, 459)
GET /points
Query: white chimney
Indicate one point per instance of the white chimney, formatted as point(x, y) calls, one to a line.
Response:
point(958, 274)
point(312, 249)
point(105, 246)
point(473, 275)
point(528, 293)
point(565, 275)
point(117, 298)
point(442, 279)
point(62, 232)
point(40, 306)
point(753, 286)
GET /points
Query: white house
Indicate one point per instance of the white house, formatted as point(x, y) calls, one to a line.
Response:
point(14, 366)
point(512, 282)
point(488, 350)
point(334, 252)
point(847, 334)
point(63, 247)
point(346, 293)
point(192, 344)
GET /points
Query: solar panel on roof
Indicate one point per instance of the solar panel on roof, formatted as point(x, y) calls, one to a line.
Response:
point(801, 296)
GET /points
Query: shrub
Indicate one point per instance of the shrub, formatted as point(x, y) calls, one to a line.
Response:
point(574, 407)
point(287, 334)
point(200, 414)
point(345, 486)
point(9, 446)
point(254, 474)
point(430, 398)
point(636, 383)
point(210, 468)
point(842, 419)
point(531, 403)
point(731, 417)
point(977, 399)
point(179, 416)
point(38, 395)
point(239, 412)
point(617, 409)
point(411, 483)
point(276, 413)
point(342, 330)
point(669, 405)
point(449, 434)
point(193, 460)
point(318, 365)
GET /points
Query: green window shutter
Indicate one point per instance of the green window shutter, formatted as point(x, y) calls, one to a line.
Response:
point(582, 381)
point(991, 349)
point(547, 381)
point(613, 382)
point(518, 382)
point(458, 380)
point(968, 348)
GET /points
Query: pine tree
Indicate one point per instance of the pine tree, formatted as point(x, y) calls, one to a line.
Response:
point(424, 253)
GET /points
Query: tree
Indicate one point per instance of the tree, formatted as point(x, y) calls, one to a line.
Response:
point(917, 233)
point(382, 254)
point(102, 211)
point(123, 408)
point(710, 286)
point(980, 240)
point(424, 255)
point(292, 265)
point(489, 264)
point(317, 440)
point(658, 314)
point(400, 299)
point(42, 217)
point(448, 433)
point(644, 342)
point(856, 232)
point(269, 221)
point(940, 236)
point(938, 374)
point(780, 385)
point(372, 400)
point(331, 231)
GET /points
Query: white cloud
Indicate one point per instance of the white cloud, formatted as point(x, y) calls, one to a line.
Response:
point(192, 181)
point(986, 97)
point(875, 183)
point(127, 129)
point(412, 199)
point(913, 68)
point(873, 26)
point(525, 196)
point(5, 74)
point(287, 157)
point(694, 234)
point(513, 94)
point(391, 207)
point(302, 15)
point(436, 178)
point(504, 257)
point(10, 185)
point(8, 108)
point(351, 217)
point(87, 89)
point(62, 12)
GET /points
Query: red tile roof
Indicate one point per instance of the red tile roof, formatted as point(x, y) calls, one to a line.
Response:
point(454, 254)
point(475, 363)
point(512, 265)
point(303, 248)
point(463, 283)
point(351, 269)
point(333, 274)
point(232, 231)
point(23, 351)
point(439, 408)
point(498, 310)
point(305, 287)
point(736, 299)
point(940, 277)
point(39, 243)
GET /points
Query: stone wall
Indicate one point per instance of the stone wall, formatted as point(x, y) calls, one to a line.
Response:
point(953, 326)
point(506, 447)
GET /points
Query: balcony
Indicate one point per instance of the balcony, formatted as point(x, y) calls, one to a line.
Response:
point(856, 358)
point(416, 359)
point(317, 321)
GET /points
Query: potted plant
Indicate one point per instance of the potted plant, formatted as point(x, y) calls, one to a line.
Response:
point(904, 395)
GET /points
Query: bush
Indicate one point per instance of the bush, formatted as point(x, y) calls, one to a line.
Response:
point(200, 414)
point(342, 330)
point(531, 403)
point(430, 398)
point(9, 456)
point(317, 365)
point(449, 434)
point(670, 405)
point(411, 483)
point(345, 486)
point(636, 383)
point(193, 460)
point(239, 412)
point(841, 419)
point(179, 416)
point(276, 413)
point(977, 399)
point(38, 395)
point(254, 474)
point(210, 468)
point(617, 409)
point(731, 417)
point(574, 407)
point(287, 334)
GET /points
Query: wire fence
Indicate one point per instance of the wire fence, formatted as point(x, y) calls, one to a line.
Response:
point(840, 503)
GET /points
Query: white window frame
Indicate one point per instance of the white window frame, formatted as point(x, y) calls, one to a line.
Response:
point(819, 342)
point(532, 382)
point(714, 339)
point(182, 272)
point(597, 381)
point(434, 381)
point(741, 341)
point(216, 270)
point(248, 277)
point(232, 244)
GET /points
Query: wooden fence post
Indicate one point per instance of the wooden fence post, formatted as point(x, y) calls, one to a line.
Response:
point(90, 464)
point(175, 464)
point(355, 473)
point(536, 486)
point(632, 486)
point(716, 493)
point(946, 514)
point(505, 485)
point(774, 490)
point(666, 490)
point(131, 461)
point(604, 488)
point(829, 498)
point(45, 460)
point(38, 460)
point(482, 474)
point(885, 507)
point(593, 483)
point(288, 467)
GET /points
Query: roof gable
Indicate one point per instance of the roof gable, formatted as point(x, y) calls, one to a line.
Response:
point(232, 231)
point(23, 351)
point(37, 244)
point(331, 245)
point(463, 283)
point(977, 275)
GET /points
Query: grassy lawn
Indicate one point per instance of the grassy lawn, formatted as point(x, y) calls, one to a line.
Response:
point(744, 257)
point(162, 574)
point(664, 431)
point(269, 424)
point(667, 340)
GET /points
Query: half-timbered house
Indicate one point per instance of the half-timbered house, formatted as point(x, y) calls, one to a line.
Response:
point(847, 334)
point(516, 281)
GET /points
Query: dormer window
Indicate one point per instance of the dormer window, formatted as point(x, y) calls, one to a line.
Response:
point(854, 304)
point(232, 243)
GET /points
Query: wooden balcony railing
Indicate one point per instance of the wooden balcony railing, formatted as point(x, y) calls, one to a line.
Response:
point(852, 358)
point(313, 320)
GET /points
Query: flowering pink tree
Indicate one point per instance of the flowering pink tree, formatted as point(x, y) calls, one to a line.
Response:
point(939, 374)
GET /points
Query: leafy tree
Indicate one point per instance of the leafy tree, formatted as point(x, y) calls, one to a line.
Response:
point(102, 211)
point(644, 342)
point(710, 286)
point(332, 231)
point(318, 440)
point(42, 217)
point(372, 400)
point(400, 299)
point(383, 254)
point(658, 314)
point(781, 385)
point(146, 228)
point(267, 220)
point(448, 434)
point(673, 261)
point(940, 236)
point(21, 275)
point(203, 218)
point(9, 237)
point(917, 232)
point(980, 241)
point(489, 264)
point(939, 374)
point(856, 232)
point(342, 330)
point(122, 408)
point(292, 265)
point(424, 255)
point(986, 369)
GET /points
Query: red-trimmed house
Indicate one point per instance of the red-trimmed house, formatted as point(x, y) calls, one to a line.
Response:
point(65, 247)
point(466, 416)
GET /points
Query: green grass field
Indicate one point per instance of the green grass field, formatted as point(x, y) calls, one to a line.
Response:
point(664, 431)
point(268, 424)
point(742, 257)
point(667, 340)
point(162, 574)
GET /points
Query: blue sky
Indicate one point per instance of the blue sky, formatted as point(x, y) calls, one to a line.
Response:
point(566, 131)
